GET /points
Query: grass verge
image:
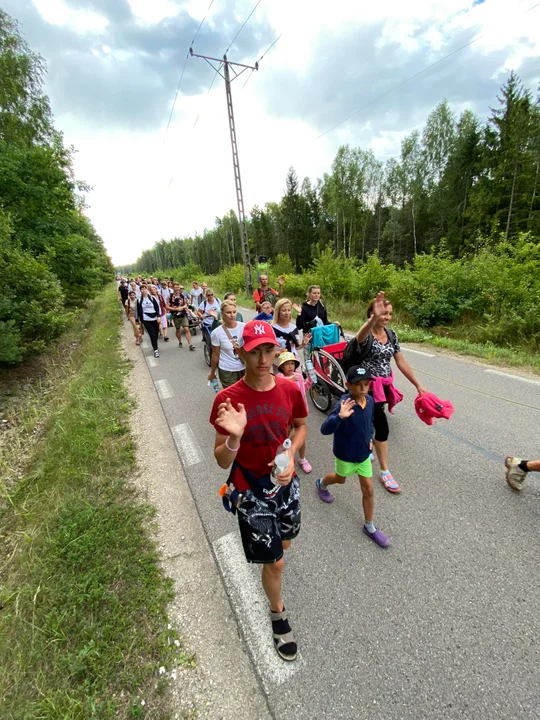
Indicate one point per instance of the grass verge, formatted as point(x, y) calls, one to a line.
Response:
point(83, 619)
point(351, 320)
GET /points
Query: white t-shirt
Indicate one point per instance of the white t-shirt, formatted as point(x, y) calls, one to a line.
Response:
point(206, 307)
point(196, 296)
point(291, 328)
point(227, 358)
point(137, 290)
point(149, 309)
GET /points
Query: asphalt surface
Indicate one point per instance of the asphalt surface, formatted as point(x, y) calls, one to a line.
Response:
point(443, 624)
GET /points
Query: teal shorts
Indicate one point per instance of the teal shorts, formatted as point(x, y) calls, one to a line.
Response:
point(346, 469)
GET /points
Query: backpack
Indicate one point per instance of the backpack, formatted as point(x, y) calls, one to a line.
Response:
point(353, 356)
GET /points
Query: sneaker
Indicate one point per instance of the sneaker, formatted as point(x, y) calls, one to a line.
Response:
point(305, 465)
point(515, 476)
point(325, 495)
point(160, 336)
point(166, 339)
point(192, 347)
point(180, 344)
point(156, 353)
point(378, 537)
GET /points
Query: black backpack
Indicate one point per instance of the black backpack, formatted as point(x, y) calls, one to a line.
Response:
point(352, 355)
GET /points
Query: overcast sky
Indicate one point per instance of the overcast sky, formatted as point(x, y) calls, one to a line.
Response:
point(114, 65)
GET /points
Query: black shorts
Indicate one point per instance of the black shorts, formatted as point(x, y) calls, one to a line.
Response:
point(264, 524)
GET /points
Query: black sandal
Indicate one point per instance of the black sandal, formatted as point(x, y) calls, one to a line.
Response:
point(284, 640)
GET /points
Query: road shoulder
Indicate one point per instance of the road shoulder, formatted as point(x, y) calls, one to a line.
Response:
point(223, 684)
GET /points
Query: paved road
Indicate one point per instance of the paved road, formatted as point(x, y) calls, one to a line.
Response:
point(445, 623)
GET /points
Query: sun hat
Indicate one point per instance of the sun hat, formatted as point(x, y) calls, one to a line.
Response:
point(287, 357)
point(257, 332)
point(357, 373)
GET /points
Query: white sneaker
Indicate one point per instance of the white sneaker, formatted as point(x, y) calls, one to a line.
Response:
point(515, 476)
point(156, 353)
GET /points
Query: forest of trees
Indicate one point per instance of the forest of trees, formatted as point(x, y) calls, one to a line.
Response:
point(459, 181)
point(51, 258)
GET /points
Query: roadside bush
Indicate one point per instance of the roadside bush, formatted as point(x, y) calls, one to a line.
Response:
point(32, 312)
point(231, 279)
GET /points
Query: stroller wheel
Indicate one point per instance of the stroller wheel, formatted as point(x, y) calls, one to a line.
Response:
point(320, 396)
point(207, 354)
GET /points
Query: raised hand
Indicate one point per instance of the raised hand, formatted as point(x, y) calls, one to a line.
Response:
point(347, 408)
point(297, 307)
point(379, 305)
point(281, 280)
point(232, 421)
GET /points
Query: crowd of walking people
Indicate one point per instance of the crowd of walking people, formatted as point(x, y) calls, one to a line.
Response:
point(260, 413)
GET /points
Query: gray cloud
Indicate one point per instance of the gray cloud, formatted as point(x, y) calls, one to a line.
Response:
point(136, 92)
point(348, 72)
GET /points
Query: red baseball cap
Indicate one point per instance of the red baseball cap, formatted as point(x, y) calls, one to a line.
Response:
point(257, 332)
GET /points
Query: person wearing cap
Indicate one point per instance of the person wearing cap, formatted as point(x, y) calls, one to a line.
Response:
point(351, 424)
point(287, 365)
point(252, 418)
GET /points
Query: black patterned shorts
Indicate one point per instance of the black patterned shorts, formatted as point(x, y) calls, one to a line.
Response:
point(264, 524)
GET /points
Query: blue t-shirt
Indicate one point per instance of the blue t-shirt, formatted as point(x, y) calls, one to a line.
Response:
point(352, 435)
point(264, 316)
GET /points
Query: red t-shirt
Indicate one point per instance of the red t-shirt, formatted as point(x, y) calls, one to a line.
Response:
point(270, 415)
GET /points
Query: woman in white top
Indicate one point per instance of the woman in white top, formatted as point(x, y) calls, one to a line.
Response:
point(149, 313)
point(287, 333)
point(209, 309)
point(225, 340)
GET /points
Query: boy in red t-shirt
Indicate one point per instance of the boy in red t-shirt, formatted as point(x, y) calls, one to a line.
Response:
point(252, 418)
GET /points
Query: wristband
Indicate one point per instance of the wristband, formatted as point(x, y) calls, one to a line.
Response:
point(229, 447)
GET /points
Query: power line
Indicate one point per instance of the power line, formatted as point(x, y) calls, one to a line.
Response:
point(184, 68)
point(227, 50)
point(401, 84)
point(259, 60)
point(243, 26)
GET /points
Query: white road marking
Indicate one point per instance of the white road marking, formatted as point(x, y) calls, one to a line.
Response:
point(513, 377)
point(243, 583)
point(152, 361)
point(164, 390)
point(186, 443)
point(418, 352)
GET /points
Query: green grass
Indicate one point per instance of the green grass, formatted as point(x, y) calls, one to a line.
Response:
point(351, 319)
point(84, 626)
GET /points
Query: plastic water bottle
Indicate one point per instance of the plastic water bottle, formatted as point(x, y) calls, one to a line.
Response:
point(283, 458)
point(215, 385)
point(311, 371)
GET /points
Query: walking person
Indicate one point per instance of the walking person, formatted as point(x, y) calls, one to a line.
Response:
point(288, 366)
point(196, 294)
point(252, 418)
point(131, 313)
point(285, 330)
point(351, 424)
point(149, 312)
point(231, 296)
point(226, 339)
point(265, 292)
point(517, 469)
point(178, 307)
point(163, 313)
point(374, 346)
point(312, 312)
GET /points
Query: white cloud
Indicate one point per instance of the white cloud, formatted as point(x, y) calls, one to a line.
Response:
point(57, 12)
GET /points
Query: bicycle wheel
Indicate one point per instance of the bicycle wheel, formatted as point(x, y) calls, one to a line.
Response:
point(320, 396)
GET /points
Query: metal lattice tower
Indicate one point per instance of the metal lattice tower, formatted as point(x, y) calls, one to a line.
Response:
point(226, 65)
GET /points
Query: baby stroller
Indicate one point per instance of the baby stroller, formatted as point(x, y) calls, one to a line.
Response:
point(325, 352)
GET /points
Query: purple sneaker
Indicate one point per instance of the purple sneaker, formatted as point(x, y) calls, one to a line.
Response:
point(325, 495)
point(378, 537)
